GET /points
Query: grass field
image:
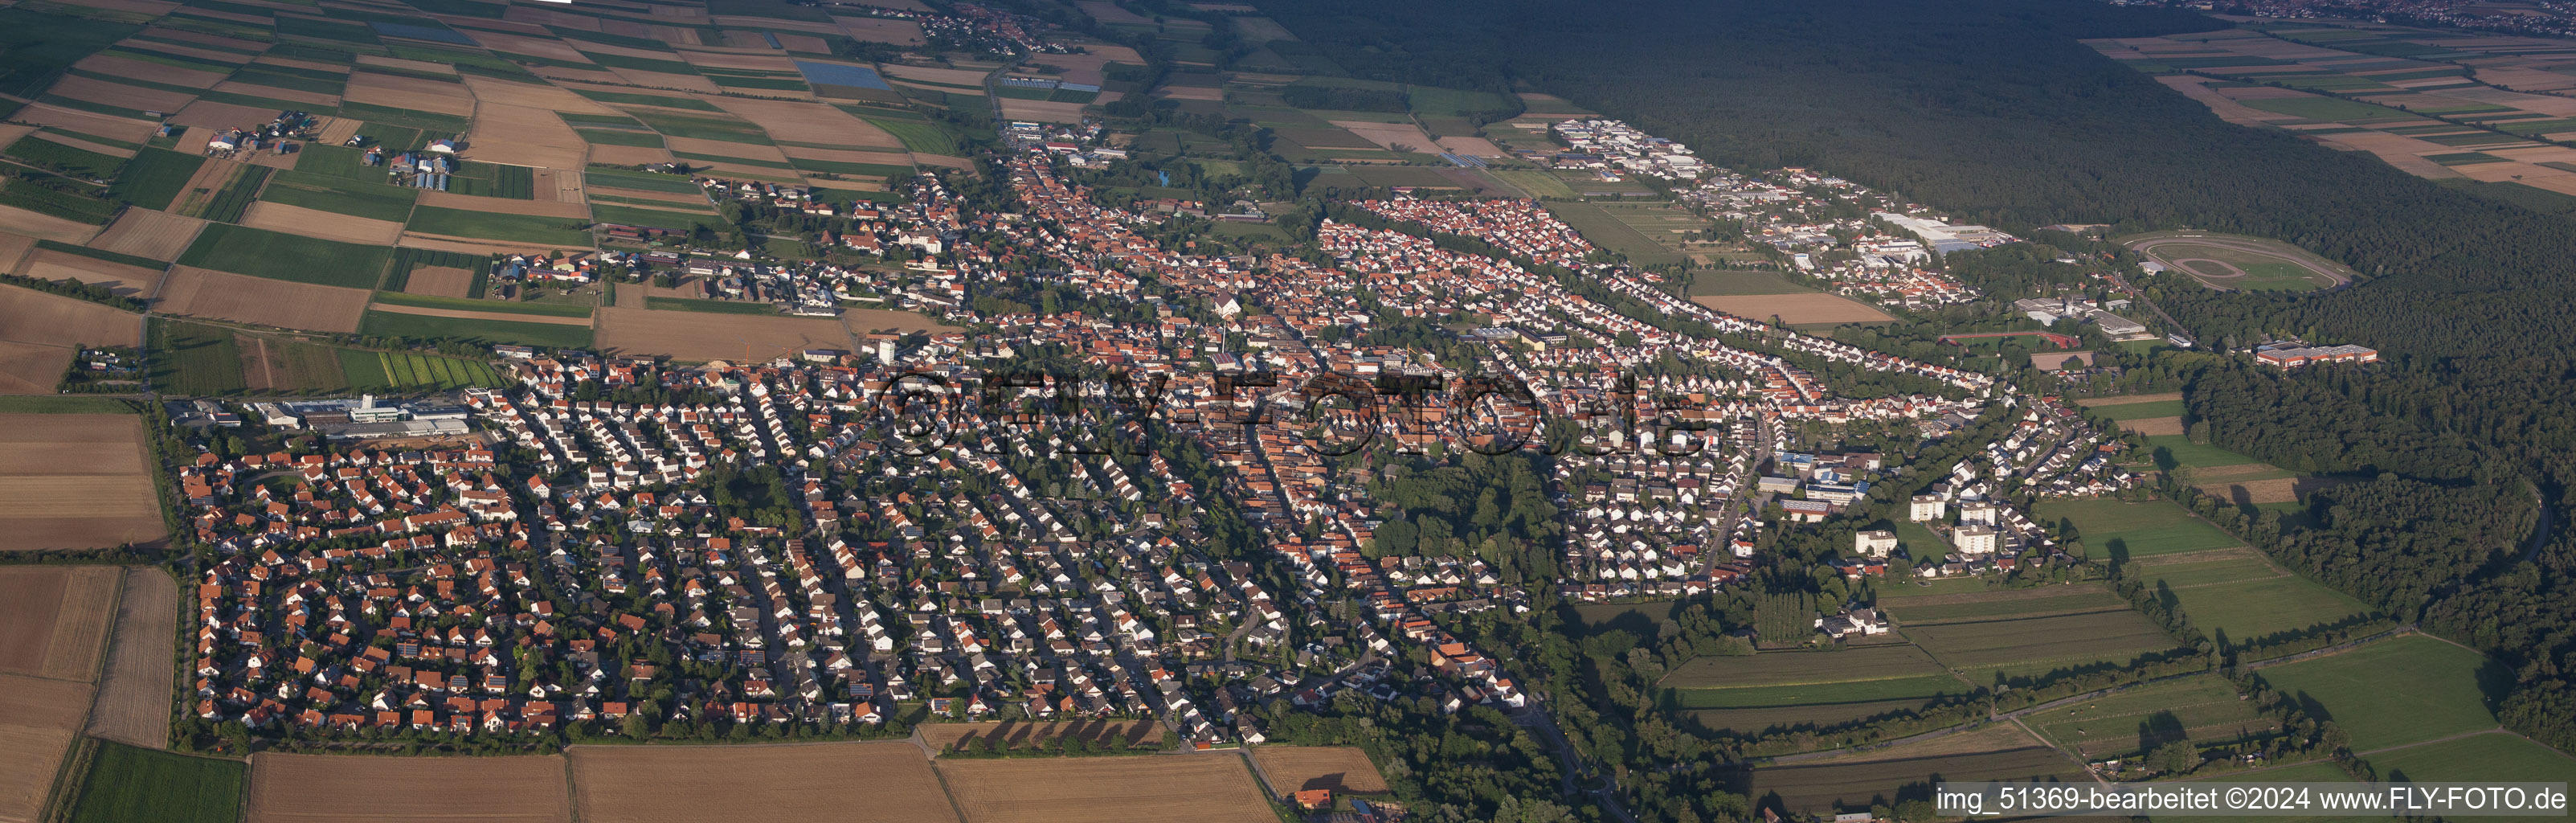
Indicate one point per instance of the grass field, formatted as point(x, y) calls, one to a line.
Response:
point(917, 134)
point(133, 785)
point(1826, 789)
point(280, 256)
point(1716, 282)
point(2141, 411)
point(1602, 225)
point(421, 327)
point(2248, 609)
point(2035, 646)
point(637, 180)
point(2141, 529)
point(1856, 675)
point(154, 177)
point(2494, 757)
point(2248, 270)
point(341, 196)
point(2197, 455)
point(656, 218)
point(2394, 692)
point(472, 304)
point(194, 359)
point(2005, 603)
point(2201, 707)
point(1758, 718)
point(499, 226)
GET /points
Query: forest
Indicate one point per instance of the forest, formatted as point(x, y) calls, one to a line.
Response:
point(1993, 111)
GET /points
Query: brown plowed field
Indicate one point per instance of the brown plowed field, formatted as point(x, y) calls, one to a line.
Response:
point(52, 633)
point(1141, 789)
point(2153, 426)
point(120, 95)
point(1021, 735)
point(294, 788)
point(423, 66)
point(883, 782)
point(13, 250)
point(337, 130)
point(39, 718)
point(299, 220)
point(246, 299)
point(212, 116)
point(441, 281)
point(127, 281)
point(146, 233)
point(1343, 769)
point(75, 481)
point(275, 93)
point(32, 368)
point(702, 336)
point(135, 692)
point(31, 316)
point(881, 30)
point(1795, 309)
point(503, 205)
point(628, 155)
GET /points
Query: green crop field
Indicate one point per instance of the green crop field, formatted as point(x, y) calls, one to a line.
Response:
point(2197, 455)
point(127, 784)
point(340, 196)
point(37, 151)
point(2394, 692)
point(2140, 411)
point(605, 137)
point(655, 218)
point(385, 371)
point(472, 304)
point(917, 135)
point(2490, 757)
point(637, 180)
point(2006, 603)
point(28, 194)
point(2137, 720)
point(2204, 568)
point(1917, 688)
point(1535, 182)
point(154, 177)
point(1908, 589)
point(193, 359)
point(228, 204)
point(2250, 609)
point(723, 128)
point(1758, 718)
point(2035, 646)
point(419, 327)
point(499, 226)
point(2143, 529)
point(1599, 225)
point(262, 253)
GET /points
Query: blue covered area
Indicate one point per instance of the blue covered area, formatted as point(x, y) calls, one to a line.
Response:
point(408, 31)
point(835, 74)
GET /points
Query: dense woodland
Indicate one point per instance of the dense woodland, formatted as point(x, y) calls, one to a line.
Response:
point(1993, 110)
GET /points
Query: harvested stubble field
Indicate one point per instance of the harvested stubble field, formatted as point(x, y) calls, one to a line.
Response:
point(75, 481)
point(200, 292)
point(57, 617)
point(38, 720)
point(940, 736)
point(32, 368)
point(1195, 788)
point(135, 692)
point(856, 782)
point(127, 281)
point(31, 316)
point(291, 788)
point(440, 281)
point(1795, 309)
point(702, 336)
point(1343, 769)
point(317, 223)
point(147, 233)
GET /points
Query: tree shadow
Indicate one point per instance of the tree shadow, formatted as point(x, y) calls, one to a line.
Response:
point(2159, 729)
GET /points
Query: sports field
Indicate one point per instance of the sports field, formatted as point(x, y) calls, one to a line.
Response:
point(2394, 692)
point(2111, 526)
point(2244, 263)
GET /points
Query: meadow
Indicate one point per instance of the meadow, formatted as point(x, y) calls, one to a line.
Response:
point(2494, 756)
point(421, 327)
point(2398, 691)
point(2141, 529)
point(194, 359)
point(2037, 646)
point(500, 226)
point(2137, 720)
point(1919, 611)
point(155, 177)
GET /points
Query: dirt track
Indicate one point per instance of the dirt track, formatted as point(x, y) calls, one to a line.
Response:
point(2147, 247)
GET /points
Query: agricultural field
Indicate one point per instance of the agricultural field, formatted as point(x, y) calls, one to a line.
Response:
point(193, 359)
point(2037, 646)
point(406, 372)
point(2000, 752)
point(1861, 674)
point(705, 336)
point(135, 691)
point(2137, 720)
point(31, 316)
point(887, 782)
point(1140, 734)
point(2393, 692)
point(282, 256)
point(1341, 769)
point(534, 331)
point(2495, 756)
point(2003, 603)
point(1726, 282)
point(127, 784)
point(499, 226)
point(389, 789)
point(2111, 527)
point(1199, 788)
point(289, 304)
point(154, 235)
point(58, 623)
point(2243, 597)
point(75, 481)
point(2190, 455)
